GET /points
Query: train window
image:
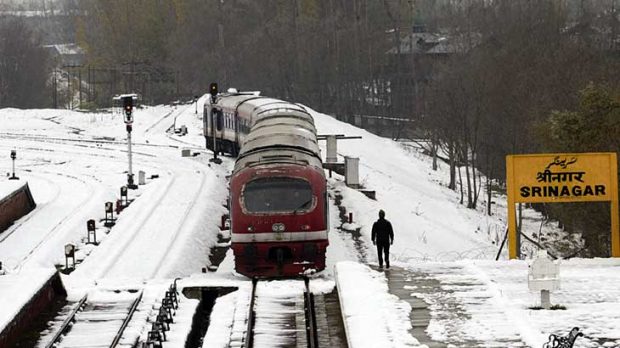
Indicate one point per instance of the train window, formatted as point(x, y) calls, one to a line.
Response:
point(277, 194)
point(219, 120)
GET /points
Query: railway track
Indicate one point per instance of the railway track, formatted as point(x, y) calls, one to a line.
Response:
point(178, 180)
point(97, 322)
point(281, 314)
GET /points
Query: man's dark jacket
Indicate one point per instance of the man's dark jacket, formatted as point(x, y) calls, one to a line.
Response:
point(382, 232)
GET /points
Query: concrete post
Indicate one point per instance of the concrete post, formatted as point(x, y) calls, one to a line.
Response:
point(545, 299)
point(351, 171)
point(332, 149)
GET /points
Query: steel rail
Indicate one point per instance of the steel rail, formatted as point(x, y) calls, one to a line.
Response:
point(249, 333)
point(311, 327)
point(119, 334)
point(66, 322)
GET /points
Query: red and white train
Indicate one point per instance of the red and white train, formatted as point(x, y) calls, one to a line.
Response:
point(278, 198)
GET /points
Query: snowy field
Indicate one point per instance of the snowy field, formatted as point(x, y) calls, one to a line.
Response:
point(74, 162)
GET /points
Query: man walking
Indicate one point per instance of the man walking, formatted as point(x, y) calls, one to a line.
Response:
point(382, 237)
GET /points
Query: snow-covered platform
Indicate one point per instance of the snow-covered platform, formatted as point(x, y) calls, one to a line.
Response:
point(477, 304)
point(7, 187)
point(488, 304)
point(23, 295)
point(15, 201)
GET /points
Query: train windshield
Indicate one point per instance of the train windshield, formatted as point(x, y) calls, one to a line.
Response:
point(277, 194)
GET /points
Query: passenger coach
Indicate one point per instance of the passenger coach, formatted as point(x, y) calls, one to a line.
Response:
point(278, 198)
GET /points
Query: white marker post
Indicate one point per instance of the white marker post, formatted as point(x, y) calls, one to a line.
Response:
point(544, 276)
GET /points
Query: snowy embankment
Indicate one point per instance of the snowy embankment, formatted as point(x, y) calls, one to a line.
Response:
point(428, 221)
point(473, 300)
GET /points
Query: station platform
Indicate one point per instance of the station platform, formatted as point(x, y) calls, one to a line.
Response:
point(23, 295)
point(15, 201)
point(402, 283)
point(450, 300)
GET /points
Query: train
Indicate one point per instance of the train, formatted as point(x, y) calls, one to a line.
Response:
point(278, 200)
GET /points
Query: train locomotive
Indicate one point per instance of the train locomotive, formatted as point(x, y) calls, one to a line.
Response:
point(278, 197)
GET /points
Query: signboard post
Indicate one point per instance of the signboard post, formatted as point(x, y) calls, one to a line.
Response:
point(562, 178)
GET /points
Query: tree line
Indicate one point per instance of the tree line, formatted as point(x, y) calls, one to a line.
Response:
point(538, 77)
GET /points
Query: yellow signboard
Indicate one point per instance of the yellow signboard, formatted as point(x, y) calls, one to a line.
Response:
point(559, 178)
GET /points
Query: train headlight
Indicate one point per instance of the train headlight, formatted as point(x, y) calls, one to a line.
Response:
point(278, 227)
point(305, 227)
point(250, 228)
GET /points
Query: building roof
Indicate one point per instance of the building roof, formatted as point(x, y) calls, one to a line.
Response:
point(422, 42)
point(62, 49)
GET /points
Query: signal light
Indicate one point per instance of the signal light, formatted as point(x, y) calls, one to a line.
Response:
point(213, 89)
point(128, 104)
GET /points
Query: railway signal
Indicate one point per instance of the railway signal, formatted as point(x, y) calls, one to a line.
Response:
point(90, 228)
point(128, 108)
point(216, 119)
point(109, 214)
point(69, 254)
point(213, 91)
point(13, 157)
point(124, 199)
point(128, 103)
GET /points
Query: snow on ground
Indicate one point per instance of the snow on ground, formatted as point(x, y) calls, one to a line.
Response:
point(20, 289)
point(9, 186)
point(485, 303)
point(373, 317)
point(429, 223)
point(76, 161)
point(489, 301)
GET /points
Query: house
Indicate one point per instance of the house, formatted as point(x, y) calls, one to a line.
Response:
point(410, 66)
point(64, 55)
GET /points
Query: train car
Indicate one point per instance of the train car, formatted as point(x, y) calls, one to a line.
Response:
point(278, 198)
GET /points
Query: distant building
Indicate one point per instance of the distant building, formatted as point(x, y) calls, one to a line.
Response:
point(411, 65)
point(64, 55)
point(596, 34)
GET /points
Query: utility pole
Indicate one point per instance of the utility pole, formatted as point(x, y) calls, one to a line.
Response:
point(55, 84)
point(80, 84)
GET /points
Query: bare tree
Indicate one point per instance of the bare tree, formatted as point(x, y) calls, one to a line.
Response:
point(23, 66)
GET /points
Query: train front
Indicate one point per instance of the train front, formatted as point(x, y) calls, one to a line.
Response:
point(279, 218)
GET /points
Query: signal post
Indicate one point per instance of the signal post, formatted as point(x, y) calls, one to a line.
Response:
point(128, 102)
point(216, 121)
